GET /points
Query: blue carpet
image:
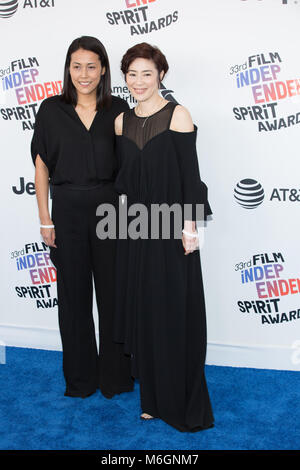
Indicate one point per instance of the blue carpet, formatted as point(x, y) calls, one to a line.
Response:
point(254, 410)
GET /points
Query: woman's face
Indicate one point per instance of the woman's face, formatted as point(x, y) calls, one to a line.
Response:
point(85, 71)
point(142, 79)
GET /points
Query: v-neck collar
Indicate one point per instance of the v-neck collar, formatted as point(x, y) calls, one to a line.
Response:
point(71, 111)
point(81, 122)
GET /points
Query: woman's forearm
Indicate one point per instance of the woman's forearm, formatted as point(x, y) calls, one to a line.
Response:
point(42, 190)
point(190, 225)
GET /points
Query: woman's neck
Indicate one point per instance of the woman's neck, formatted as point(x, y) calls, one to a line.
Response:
point(87, 101)
point(150, 106)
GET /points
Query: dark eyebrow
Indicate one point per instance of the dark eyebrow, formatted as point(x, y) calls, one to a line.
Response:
point(89, 63)
point(132, 70)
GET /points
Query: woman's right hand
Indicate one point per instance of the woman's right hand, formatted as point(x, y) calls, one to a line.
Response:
point(48, 235)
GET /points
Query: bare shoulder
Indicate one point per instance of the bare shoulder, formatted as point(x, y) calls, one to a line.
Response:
point(119, 124)
point(181, 120)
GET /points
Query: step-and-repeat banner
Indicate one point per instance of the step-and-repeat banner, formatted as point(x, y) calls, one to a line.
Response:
point(235, 65)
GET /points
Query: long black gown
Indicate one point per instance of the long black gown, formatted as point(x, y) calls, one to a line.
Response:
point(160, 312)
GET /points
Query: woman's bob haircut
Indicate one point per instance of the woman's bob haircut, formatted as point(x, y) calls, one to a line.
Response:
point(145, 51)
point(69, 93)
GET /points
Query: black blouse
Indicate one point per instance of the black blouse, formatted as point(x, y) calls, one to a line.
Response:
point(158, 165)
point(73, 154)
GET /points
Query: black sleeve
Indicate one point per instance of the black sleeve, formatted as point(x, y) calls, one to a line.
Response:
point(39, 140)
point(118, 152)
point(124, 106)
point(120, 105)
point(194, 190)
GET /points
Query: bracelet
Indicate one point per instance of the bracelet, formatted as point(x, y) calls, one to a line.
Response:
point(47, 226)
point(190, 234)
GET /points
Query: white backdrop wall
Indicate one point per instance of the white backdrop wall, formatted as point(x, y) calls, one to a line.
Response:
point(235, 65)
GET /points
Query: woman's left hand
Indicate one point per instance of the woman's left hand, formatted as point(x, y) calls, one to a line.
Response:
point(190, 243)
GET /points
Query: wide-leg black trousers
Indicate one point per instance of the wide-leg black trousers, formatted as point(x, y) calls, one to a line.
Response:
point(81, 258)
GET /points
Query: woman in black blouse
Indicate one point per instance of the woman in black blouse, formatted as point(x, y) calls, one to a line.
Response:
point(73, 149)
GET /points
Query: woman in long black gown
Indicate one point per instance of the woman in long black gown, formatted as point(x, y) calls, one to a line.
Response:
point(160, 314)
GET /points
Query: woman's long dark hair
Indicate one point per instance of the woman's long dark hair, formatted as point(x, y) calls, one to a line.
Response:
point(69, 93)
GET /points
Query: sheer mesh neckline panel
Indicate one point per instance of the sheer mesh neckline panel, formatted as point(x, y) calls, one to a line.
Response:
point(142, 129)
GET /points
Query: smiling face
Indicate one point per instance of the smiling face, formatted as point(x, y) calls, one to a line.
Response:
point(85, 71)
point(142, 79)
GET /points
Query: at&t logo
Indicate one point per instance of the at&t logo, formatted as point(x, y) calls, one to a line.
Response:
point(249, 193)
point(8, 8)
